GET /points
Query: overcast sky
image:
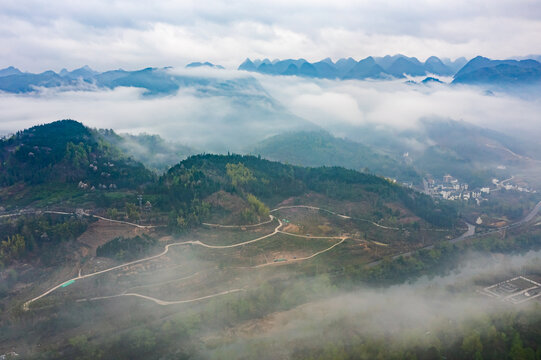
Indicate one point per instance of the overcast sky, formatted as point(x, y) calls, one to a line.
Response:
point(36, 35)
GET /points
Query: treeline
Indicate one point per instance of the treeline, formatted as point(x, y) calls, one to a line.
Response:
point(179, 336)
point(126, 249)
point(255, 212)
point(507, 335)
point(512, 335)
point(24, 235)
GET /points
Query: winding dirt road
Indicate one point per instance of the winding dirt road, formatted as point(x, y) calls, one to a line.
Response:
point(342, 239)
point(164, 302)
point(239, 226)
point(468, 234)
point(165, 251)
point(335, 213)
point(21, 213)
point(198, 243)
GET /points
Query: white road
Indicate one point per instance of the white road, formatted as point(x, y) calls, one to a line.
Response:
point(239, 226)
point(334, 213)
point(289, 261)
point(21, 213)
point(164, 302)
point(469, 233)
point(165, 251)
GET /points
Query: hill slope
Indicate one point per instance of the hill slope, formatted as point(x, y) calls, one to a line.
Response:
point(186, 184)
point(323, 149)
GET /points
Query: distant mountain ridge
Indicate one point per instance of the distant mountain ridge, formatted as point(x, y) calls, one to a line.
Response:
point(396, 66)
point(162, 81)
point(478, 71)
point(197, 64)
point(156, 81)
point(481, 70)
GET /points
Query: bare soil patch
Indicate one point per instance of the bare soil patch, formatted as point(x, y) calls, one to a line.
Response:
point(101, 232)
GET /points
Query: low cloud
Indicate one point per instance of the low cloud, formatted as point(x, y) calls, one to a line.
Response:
point(202, 116)
point(212, 117)
point(37, 36)
point(401, 316)
point(345, 104)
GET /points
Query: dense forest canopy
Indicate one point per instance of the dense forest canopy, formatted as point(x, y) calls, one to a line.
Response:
point(67, 152)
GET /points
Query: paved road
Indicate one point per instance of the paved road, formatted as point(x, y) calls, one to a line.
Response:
point(470, 233)
point(531, 215)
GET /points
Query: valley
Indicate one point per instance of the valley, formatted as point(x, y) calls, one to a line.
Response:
point(224, 242)
point(270, 180)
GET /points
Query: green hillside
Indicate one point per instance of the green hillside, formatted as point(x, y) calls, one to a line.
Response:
point(185, 185)
point(322, 149)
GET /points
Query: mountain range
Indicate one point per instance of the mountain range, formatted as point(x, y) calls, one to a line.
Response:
point(165, 81)
point(155, 81)
point(397, 66)
point(478, 71)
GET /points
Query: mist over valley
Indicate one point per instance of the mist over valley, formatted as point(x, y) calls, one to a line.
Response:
point(270, 180)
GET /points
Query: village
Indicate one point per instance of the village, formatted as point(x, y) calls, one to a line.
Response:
point(449, 188)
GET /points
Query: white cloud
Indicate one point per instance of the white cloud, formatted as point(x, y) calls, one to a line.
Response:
point(209, 118)
point(422, 313)
point(202, 115)
point(336, 104)
point(36, 35)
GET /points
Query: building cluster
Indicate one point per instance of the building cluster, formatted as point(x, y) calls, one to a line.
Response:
point(509, 186)
point(449, 188)
point(87, 186)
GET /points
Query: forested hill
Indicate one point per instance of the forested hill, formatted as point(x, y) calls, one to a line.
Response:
point(200, 176)
point(67, 152)
point(319, 148)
